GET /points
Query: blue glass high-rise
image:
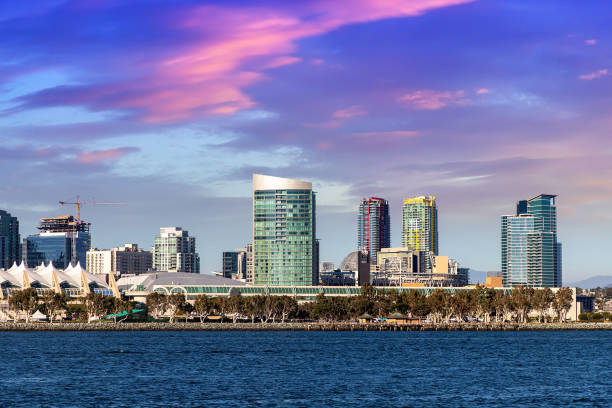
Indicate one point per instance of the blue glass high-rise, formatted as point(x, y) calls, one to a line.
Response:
point(56, 247)
point(61, 240)
point(531, 255)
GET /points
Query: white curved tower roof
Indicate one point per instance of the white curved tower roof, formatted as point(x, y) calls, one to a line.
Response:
point(263, 182)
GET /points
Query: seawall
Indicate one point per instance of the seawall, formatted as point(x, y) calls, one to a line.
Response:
point(310, 326)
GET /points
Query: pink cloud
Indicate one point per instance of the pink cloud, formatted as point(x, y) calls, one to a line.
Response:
point(432, 100)
point(594, 75)
point(350, 112)
point(590, 42)
point(339, 117)
point(282, 61)
point(100, 156)
point(388, 135)
point(230, 50)
point(483, 91)
point(329, 124)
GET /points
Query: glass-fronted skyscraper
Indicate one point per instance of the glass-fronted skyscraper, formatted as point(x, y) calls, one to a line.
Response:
point(9, 240)
point(420, 224)
point(530, 253)
point(284, 232)
point(515, 230)
point(420, 227)
point(175, 251)
point(234, 263)
point(373, 226)
point(61, 240)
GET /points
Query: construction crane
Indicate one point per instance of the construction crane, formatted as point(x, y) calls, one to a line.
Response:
point(78, 203)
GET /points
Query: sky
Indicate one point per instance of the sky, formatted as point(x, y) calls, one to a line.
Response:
point(170, 107)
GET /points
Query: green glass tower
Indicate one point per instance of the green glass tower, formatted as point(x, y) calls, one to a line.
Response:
point(420, 228)
point(284, 237)
point(531, 255)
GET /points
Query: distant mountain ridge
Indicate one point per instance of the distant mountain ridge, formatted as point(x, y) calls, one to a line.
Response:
point(601, 281)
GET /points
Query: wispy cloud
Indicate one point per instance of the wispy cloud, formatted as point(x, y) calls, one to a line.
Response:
point(351, 111)
point(483, 91)
point(229, 49)
point(590, 42)
point(427, 99)
point(388, 135)
point(282, 61)
point(594, 75)
point(106, 155)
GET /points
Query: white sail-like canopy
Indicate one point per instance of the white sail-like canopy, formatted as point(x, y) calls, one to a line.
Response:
point(76, 272)
point(49, 277)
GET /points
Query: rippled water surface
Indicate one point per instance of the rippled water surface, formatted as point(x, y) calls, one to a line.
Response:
point(306, 369)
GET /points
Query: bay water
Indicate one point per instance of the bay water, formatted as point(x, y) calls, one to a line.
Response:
point(307, 369)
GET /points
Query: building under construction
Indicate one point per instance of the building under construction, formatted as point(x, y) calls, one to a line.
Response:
point(63, 223)
point(62, 240)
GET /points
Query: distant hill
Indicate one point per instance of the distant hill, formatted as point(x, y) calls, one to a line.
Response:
point(601, 281)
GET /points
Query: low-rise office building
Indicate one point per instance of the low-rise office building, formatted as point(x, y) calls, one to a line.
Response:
point(125, 260)
point(193, 285)
point(405, 267)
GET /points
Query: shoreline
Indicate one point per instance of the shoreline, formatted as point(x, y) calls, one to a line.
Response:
point(311, 326)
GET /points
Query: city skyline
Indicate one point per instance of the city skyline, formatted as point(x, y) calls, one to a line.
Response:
point(394, 100)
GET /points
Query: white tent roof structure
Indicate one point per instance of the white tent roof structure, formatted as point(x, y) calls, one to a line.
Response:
point(48, 277)
point(39, 316)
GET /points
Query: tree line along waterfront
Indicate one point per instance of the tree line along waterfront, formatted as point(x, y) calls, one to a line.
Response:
point(479, 305)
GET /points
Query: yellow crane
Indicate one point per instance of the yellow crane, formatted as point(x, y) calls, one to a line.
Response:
point(78, 203)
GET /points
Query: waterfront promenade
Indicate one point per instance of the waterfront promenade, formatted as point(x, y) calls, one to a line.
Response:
point(295, 326)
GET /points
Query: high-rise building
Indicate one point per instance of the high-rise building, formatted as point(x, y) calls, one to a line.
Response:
point(9, 240)
point(62, 240)
point(175, 251)
point(284, 237)
point(235, 263)
point(530, 253)
point(249, 263)
point(125, 260)
point(374, 226)
point(420, 228)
